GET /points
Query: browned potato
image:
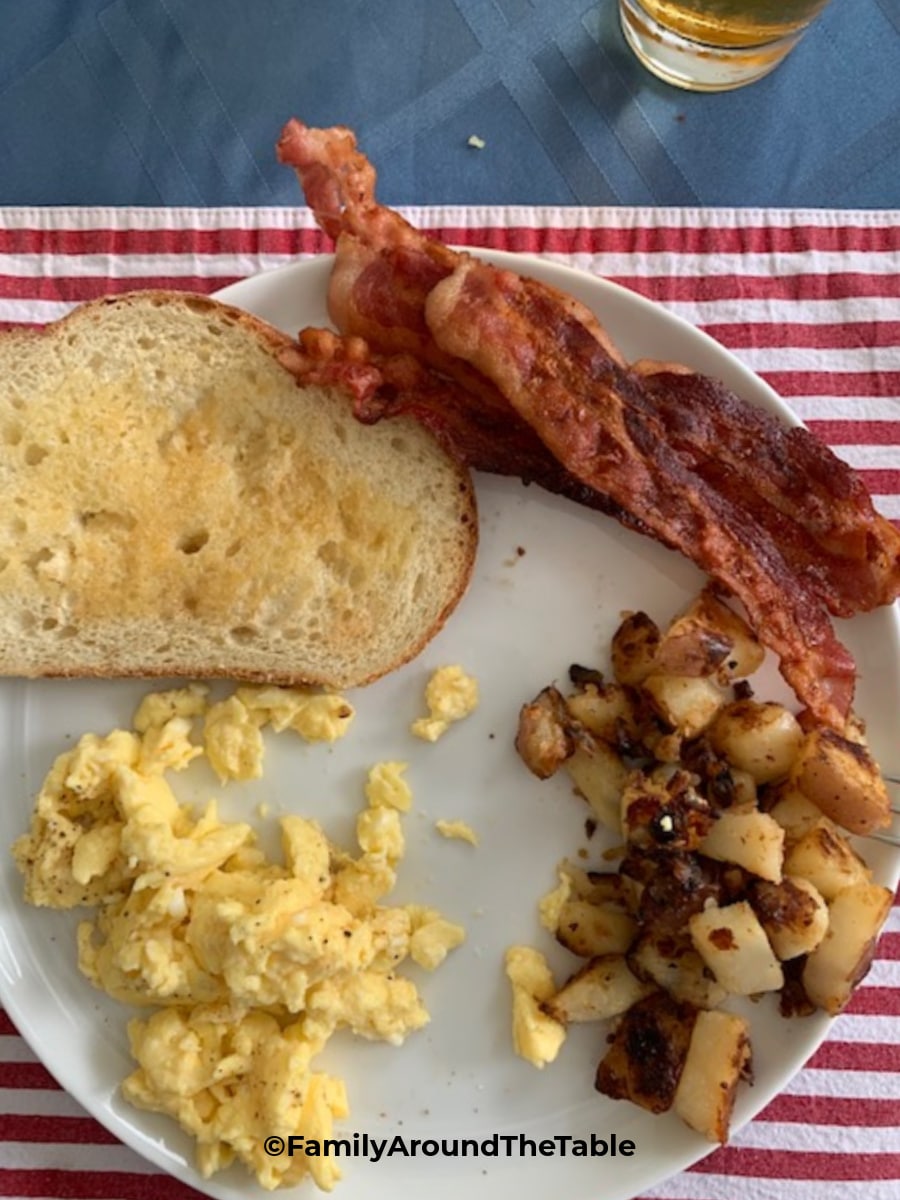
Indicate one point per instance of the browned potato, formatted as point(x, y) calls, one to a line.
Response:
point(592, 930)
point(733, 944)
point(717, 1059)
point(688, 705)
point(825, 857)
point(599, 776)
point(842, 779)
point(634, 647)
point(664, 811)
point(605, 710)
point(544, 738)
point(603, 887)
point(794, 813)
point(843, 957)
point(673, 964)
point(760, 738)
point(793, 914)
point(752, 839)
point(709, 638)
point(647, 1052)
point(603, 988)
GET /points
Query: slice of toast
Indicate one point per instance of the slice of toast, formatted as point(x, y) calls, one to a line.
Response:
point(172, 503)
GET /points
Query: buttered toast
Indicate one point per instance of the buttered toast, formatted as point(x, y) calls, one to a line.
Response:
point(174, 504)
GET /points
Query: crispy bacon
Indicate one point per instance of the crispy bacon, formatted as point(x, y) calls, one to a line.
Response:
point(814, 506)
point(769, 512)
point(384, 269)
point(593, 417)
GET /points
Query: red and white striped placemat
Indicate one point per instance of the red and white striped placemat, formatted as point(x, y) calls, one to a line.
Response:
point(811, 301)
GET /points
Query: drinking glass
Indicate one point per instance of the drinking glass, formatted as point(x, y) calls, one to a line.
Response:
point(714, 45)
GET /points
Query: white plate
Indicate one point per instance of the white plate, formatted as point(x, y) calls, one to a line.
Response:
point(525, 619)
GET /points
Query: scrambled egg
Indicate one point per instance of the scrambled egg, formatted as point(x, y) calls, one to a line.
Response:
point(550, 906)
point(460, 830)
point(253, 964)
point(450, 695)
point(536, 1037)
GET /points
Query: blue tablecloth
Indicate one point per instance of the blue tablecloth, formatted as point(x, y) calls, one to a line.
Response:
point(181, 101)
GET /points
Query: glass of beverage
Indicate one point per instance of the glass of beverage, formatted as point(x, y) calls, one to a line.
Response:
point(714, 45)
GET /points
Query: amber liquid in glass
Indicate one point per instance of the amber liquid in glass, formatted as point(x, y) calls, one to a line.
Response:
point(733, 22)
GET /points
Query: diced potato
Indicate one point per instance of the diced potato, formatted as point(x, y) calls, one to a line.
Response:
point(748, 837)
point(687, 704)
point(693, 638)
point(647, 1051)
point(760, 738)
point(664, 811)
point(592, 930)
point(605, 710)
point(793, 914)
point(599, 776)
point(794, 813)
point(745, 791)
point(843, 957)
point(633, 649)
point(841, 777)
point(602, 887)
point(825, 857)
point(674, 965)
point(717, 1059)
point(603, 988)
point(544, 736)
point(733, 944)
point(709, 638)
point(690, 647)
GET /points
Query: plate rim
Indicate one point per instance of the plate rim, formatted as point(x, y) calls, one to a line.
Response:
point(760, 392)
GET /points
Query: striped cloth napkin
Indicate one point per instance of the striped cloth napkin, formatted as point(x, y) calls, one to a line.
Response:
point(811, 301)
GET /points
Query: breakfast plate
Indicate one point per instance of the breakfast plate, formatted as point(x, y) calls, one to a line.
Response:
point(550, 585)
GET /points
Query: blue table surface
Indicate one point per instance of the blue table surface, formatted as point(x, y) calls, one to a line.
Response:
point(180, 102)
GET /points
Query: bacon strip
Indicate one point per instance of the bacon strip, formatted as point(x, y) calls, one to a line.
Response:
point(384, 270)
point(593, 417)
point(814, 506)
point(769, 512)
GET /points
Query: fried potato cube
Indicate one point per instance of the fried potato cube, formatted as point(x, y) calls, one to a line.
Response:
point(673, 964)
point(709, 638)
point(794, 813)
point(591, 930)
point(750, 838)
point(603, 887)
point(825, 857)
point(762, 739)
point(717, 1059)
point(793, 913)
point(687, 704)
point(605, 710)
point(844, 956)
point(599, 776)
point(663, 810)
point(544, 737)
point(733, 944)
point(843, 780)
point(603, 988)
point(647, 1052)
point(633, 649)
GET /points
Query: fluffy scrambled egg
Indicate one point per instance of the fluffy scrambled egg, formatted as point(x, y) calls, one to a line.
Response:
point(460, 830)
point(450, 695)
point(253, 963)
point(536, 1036)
